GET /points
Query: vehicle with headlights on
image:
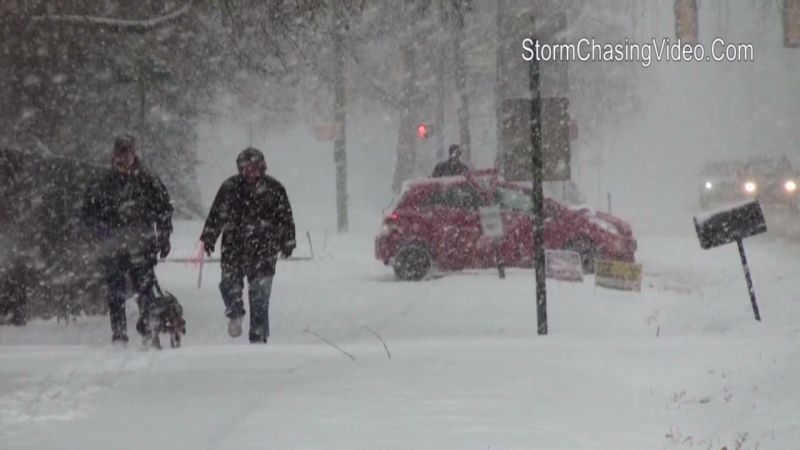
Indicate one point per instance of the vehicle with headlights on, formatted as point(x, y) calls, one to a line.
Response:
point(720, 183)
point(771, 180)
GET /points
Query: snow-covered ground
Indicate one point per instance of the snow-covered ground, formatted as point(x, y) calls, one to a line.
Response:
point(680, 365)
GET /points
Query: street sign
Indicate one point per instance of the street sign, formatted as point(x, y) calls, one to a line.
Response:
point(730, 225)
point(620, 275)
point(563, 265)
point(733, 225)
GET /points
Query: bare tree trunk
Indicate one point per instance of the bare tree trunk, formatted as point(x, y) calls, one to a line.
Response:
point(461, 81)
point(340, 143)
point(406, 144)
point(441, 85)
point(500, 85)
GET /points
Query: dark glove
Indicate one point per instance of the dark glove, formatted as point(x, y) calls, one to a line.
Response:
point(208, 247)
point(102, 231)
point(164, 248)
point(287, 250)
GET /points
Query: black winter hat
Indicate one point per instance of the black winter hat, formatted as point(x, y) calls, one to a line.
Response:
point(249, 156)
point(124, 143)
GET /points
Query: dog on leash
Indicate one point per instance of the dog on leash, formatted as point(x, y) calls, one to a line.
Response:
point(166, 316)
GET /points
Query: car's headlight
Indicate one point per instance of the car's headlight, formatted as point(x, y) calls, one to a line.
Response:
point(709, 186)
point(790, 186)
point(750, 186)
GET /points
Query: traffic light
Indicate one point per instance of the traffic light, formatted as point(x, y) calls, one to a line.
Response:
point(686, 21)
point(424, 131)
point(791, 23)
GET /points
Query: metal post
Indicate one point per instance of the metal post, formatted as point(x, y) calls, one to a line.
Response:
point(498, 258)
point(749, 281)
point(538, 197)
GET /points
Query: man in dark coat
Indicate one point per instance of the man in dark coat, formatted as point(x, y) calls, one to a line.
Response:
point(253, 213)
point(453, 166)
point(130, 210)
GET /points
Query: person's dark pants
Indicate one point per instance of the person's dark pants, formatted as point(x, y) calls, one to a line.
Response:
point(259, 291)
point(142, 276)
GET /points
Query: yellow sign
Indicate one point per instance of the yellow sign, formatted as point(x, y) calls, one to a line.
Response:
point(618, 275)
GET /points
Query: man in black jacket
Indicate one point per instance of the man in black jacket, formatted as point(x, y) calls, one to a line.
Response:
point(130, 210)
point(453, 166)
point(253, 213)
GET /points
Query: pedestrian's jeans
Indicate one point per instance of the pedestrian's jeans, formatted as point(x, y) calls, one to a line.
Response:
point(259, 291)
point(142, 276)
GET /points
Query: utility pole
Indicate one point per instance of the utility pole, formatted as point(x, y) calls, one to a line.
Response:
point(538, 196)
point(340, 124)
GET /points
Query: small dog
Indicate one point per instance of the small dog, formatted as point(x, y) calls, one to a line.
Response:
point(166, 316)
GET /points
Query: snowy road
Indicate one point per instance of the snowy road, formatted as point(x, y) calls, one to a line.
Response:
point(681, 365)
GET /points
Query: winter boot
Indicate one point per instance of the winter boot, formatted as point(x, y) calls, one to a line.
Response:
point(235, 312)
point(119, 338)
point(258, 336)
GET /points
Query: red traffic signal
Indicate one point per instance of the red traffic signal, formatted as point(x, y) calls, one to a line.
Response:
point(423, 131)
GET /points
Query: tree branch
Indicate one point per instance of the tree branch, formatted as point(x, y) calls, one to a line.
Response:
point(118, 25)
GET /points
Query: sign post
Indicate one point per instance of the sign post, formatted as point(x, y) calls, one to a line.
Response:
point(492, 226)
point(538, 197)
point(748, 280)
point(733, 225)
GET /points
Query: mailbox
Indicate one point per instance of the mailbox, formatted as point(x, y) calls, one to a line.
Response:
point(731, 225)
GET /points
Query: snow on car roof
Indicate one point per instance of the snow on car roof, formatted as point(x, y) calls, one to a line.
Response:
point(440, 181)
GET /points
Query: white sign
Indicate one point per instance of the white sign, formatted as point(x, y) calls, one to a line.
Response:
point(491, 221)
point(563, 265)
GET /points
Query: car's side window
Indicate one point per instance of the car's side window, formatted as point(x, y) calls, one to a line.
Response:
point(463, 196)
point(513, 200)
point(435, 198)
point(455, 196)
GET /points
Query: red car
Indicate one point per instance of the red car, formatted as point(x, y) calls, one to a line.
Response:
point(436, 223)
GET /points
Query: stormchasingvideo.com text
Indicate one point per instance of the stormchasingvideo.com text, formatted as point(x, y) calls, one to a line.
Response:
point(645, 53)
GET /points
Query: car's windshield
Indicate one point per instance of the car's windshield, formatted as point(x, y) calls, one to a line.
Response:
point(513, 200)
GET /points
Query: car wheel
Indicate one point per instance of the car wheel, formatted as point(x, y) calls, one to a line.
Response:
point(587, 250)
point(412, 263)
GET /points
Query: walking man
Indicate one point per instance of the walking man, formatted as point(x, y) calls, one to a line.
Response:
point(130, 210)
point(253, 214)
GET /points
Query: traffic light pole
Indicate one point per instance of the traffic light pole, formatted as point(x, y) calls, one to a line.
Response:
point(538, 196)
